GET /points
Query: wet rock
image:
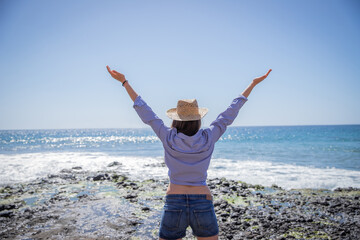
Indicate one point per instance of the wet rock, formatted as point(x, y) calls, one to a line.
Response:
point(216, 181)
point(67, 176)
point(82, 196)
point(246, 224)
point(145, 209)
point(162, 164)
point(244, 194)
point(100, 177)
point(113, 164)
point(224, 190)
point(134, 223)
point(217, 203)
point(130, 232)
point(53, 176)
point(131, 196)
point(6, 214)
point(349, 189)
point(324, 203)
point(226, 184)
point(7, 207)
point(335, 204)
point(44, 181)
point(119, 178)
point(266, 225)
point(57, 198)
point(223, 205)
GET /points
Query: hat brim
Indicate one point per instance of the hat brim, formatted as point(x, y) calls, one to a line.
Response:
point(172, 113)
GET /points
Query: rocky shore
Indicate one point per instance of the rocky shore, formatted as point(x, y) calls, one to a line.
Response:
point(108, 205)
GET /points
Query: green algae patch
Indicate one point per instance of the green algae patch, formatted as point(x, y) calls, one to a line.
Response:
point(236, 200)
point(6, 190)
point(152, 193)
point(155, 233)
point(302, 233)
point(312, 192)
point(148, 181)
point(316, 235)
point(149, 190)
point(346, 193)
point(242, 201)
point(319, 235)
point(118, 178)
point(259, 187)
point(10, 197)
point(324, 223)
point(297, 233)
point(6, 201)
point(139, 213)
point(135, 238)
point(109, 194)
point(274, 186)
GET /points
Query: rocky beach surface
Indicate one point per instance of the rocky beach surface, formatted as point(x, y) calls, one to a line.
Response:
point(76, 204)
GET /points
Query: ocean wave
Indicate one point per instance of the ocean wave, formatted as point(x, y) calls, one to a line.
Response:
point(288, 176)
point(29, 166)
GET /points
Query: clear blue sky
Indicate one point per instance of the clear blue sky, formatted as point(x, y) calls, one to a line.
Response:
point(53, 56)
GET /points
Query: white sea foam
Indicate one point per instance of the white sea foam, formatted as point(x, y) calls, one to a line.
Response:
point(29, 166)
point(288, 176)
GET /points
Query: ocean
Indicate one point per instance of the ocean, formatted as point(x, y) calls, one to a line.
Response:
point(288, 156)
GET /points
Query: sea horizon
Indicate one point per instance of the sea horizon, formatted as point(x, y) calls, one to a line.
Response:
point(205, 126)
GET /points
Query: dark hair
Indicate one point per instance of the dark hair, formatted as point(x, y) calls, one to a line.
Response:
point(188, 128)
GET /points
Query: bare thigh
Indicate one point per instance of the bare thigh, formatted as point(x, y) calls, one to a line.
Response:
point(200, 238)
point(208, 238)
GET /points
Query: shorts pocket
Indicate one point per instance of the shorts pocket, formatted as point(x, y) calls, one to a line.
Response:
point(171, 218)
point(206, 218)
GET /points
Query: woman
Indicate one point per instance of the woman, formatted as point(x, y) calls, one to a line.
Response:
point(188, 151)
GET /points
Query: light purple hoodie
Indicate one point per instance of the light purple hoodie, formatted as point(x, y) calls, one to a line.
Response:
point(188, 157)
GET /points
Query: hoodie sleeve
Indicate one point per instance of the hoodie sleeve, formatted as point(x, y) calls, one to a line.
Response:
point(149, 117)
point(226, 118)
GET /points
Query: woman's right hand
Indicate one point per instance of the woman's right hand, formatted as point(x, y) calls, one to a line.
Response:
point(118, 76)
point(259, 79)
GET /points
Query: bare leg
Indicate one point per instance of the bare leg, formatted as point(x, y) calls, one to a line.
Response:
point(208, 238)
point(200, 238)
point(165, 239)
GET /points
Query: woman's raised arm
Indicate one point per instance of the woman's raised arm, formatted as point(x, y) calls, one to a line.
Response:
point(143, 110)
point(121, 78)
point(256, 81)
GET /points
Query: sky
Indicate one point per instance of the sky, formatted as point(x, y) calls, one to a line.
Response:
point(53, 57)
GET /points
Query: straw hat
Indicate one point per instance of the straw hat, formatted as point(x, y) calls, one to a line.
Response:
point(187, 110)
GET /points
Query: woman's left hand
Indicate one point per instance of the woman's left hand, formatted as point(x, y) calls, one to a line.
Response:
point(118, 76)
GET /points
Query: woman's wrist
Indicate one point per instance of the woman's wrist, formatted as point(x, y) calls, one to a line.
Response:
point(253, 83)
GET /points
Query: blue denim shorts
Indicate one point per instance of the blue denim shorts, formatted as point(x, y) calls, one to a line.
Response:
point(182, 210)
